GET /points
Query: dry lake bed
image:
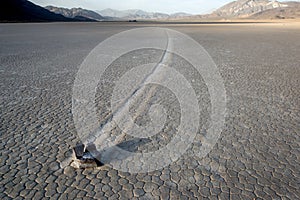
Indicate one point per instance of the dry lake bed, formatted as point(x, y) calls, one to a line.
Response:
point(256, 156)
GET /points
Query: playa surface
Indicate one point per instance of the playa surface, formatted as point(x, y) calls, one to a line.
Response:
point(255, 157)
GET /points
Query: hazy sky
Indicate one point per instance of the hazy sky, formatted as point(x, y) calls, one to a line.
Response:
point(166, 6)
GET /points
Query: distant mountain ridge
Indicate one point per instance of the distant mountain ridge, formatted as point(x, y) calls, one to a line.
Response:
point(255, 9)
point(246, 8)
point(76, 13)
point(138, 14)
point(25, 11)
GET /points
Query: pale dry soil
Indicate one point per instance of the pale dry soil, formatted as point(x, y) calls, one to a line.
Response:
point(256, 156)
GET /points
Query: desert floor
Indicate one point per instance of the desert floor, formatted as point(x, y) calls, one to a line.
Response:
point(256, 155)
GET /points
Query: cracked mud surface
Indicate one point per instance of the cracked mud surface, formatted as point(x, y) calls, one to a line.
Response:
point(256, 157)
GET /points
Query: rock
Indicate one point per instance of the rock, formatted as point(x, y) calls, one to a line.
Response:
point(78, 151)
point(85, 157)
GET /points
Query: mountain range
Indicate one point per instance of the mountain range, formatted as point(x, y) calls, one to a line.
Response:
point(254, 9)
point(264, 9)
point(240, 9)
point(246, 8)
point(139, 14)
point(76, 12)
point(24, 10)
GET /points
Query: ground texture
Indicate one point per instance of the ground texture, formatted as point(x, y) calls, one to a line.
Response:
point(256, 157)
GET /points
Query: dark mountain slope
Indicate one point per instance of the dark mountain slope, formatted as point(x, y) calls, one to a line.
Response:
point(25, 11)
